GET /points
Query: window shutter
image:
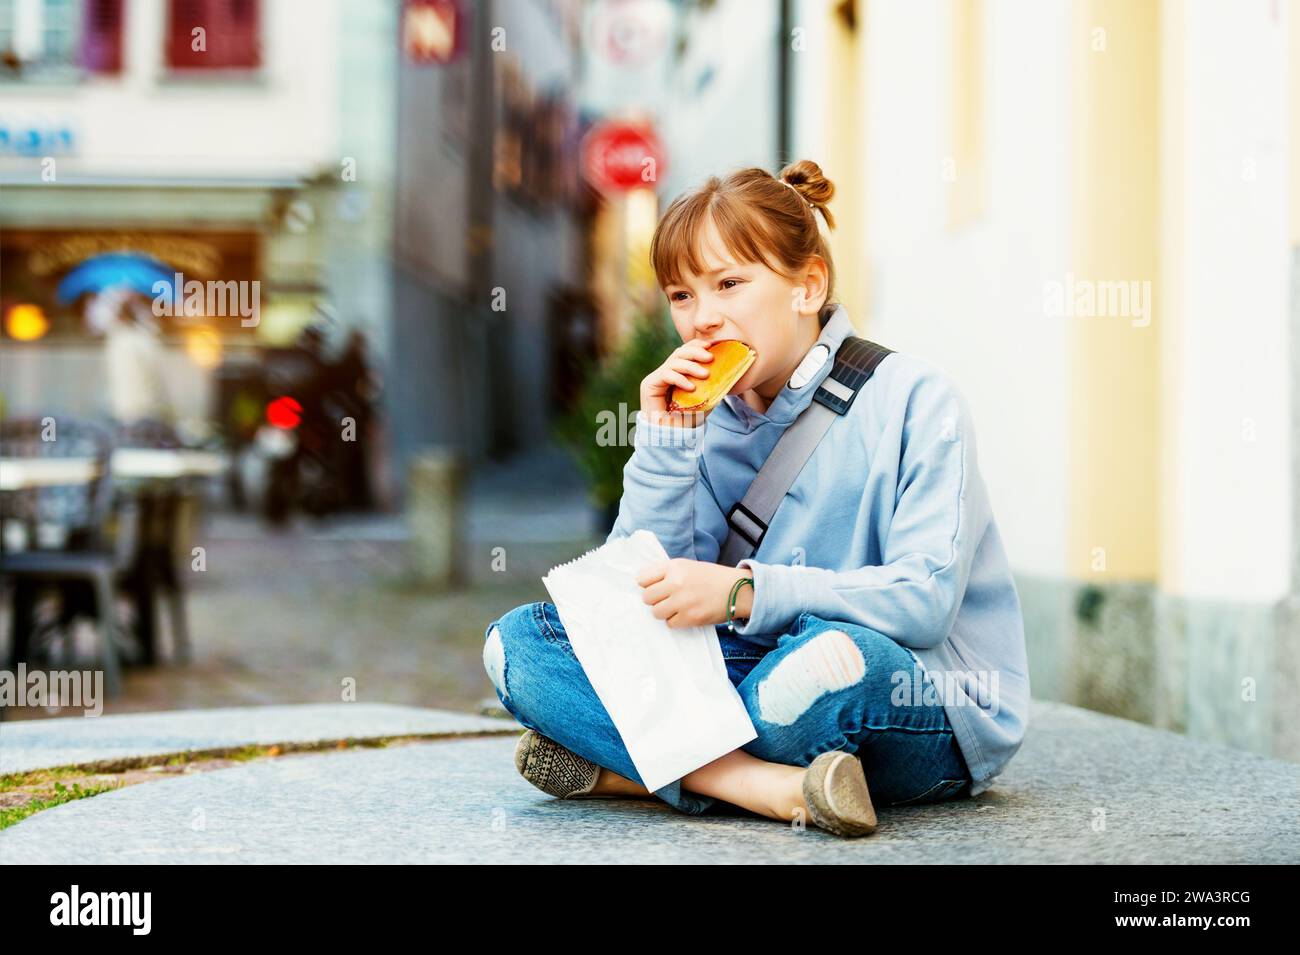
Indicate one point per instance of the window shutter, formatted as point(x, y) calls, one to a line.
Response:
point(232, 34)
point(243, 37)
point(101, 48)
point(182, 17)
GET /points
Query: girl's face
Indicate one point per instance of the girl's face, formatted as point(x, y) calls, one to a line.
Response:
point(774, 315)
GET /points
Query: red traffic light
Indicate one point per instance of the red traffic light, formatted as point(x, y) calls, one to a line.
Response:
point(284, 412)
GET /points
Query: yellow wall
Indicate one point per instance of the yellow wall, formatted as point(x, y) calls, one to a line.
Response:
point(1115, 392)
point(966, 112)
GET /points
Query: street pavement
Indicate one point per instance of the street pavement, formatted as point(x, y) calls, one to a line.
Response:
point(1084, 788)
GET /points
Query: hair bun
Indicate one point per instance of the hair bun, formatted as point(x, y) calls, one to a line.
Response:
point(811, 183)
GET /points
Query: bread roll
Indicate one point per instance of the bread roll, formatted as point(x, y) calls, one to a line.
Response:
point(731, 359)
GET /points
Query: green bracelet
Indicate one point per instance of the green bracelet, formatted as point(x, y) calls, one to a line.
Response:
point(731, 600)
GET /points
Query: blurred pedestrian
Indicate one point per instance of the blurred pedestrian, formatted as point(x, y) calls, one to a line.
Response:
point(133, 354)
point(352, 377)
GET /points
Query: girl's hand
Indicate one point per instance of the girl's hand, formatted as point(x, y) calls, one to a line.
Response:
point(689, 359)
point(692, 593)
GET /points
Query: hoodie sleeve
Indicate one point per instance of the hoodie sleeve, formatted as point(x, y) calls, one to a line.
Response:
point(940, 515)
point(659, 485)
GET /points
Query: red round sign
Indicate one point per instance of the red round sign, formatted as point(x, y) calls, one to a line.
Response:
point(622, 156)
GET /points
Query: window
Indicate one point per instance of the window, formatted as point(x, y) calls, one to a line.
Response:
point(39, 36)
point(60, 38)
point(58, 31)
point(7, 50)
point(213, 35)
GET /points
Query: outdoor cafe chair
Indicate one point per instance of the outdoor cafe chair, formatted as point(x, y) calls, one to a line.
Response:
point(80, 560)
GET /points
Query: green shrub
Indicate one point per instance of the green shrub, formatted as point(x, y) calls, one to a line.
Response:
point(616, 379)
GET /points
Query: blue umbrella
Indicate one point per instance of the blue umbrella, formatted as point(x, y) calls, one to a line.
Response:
point(132, 269)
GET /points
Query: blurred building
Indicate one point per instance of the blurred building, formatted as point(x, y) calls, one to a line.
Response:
point(514, 253)
point(489, 223)
point(244, 141)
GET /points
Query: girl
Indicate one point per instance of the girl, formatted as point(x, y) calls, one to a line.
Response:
point(876, 638)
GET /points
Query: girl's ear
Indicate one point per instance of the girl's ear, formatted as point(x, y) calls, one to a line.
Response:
point(809, 295)
point(798, 297)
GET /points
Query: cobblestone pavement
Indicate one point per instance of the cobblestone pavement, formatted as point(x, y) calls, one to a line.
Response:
point(288, 617)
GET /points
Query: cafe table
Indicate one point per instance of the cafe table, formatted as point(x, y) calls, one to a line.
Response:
point(18, 474)
point(155, 478)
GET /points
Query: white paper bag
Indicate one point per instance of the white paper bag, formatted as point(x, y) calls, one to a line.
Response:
point(666, 689)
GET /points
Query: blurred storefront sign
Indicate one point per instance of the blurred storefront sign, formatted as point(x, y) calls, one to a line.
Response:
point(36, 138)
point(618, 156)
point(35, 261)
point(433, 31)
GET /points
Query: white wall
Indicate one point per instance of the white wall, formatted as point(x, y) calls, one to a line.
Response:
point(141, 123)
point(1230, 380)
point(971, 301)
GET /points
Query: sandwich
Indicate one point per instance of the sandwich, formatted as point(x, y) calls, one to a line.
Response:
point(731, 359)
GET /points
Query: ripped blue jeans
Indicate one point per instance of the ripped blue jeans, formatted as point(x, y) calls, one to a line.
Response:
point(824, 686)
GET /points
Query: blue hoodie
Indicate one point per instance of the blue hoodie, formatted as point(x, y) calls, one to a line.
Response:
point(887, 526)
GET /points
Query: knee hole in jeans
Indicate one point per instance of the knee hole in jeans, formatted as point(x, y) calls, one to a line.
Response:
point(826, 663)
point(494, 659)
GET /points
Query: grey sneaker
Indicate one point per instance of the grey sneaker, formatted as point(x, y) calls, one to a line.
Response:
point(835, 789)
point(554, 769)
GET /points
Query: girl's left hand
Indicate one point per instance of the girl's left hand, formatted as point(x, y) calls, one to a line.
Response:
point(692, 593)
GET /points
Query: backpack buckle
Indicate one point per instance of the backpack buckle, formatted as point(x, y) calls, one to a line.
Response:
point(752, 528)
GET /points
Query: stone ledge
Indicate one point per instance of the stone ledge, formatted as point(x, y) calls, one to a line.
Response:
point(1164, 799)
point(106, 743)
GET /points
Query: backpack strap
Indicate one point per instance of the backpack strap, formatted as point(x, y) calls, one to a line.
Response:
point(855, 361)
